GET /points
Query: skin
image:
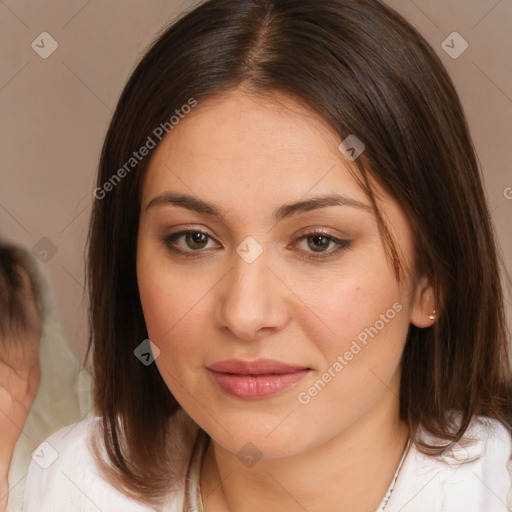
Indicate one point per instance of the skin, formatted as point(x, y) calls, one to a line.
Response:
point(19, 379)
point(250, 155)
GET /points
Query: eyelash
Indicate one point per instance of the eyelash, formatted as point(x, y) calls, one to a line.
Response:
point(169, 241)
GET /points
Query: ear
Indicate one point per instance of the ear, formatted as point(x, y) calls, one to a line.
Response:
point(423, 304)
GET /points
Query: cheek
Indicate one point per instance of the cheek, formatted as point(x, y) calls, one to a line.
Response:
point(360, 359)
point(161, 305)
point(361, 302)
point(170, 322)
point(360, 339)
point(167, 297)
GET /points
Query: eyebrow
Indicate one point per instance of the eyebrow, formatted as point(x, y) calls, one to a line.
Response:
point(284, 211)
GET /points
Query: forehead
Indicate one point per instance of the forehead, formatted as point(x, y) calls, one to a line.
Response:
point(236, 143)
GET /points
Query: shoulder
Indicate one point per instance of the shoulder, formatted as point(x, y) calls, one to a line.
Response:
point(63, 476)
point(474, 475)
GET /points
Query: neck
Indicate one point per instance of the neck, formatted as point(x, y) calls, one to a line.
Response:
point(350, 472)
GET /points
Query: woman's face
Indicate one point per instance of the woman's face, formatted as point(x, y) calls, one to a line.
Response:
point(279, 322)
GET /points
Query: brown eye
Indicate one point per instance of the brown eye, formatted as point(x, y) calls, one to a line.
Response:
point(318, 242)
point(193, 241)
point(196, 239)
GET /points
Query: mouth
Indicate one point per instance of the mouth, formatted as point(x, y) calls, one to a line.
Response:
point(256, 379)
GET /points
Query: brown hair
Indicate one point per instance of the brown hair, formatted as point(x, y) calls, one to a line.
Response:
point(365, 71)
point(15, 262)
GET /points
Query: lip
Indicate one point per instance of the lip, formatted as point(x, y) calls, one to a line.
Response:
point(257, 367)
point(256, 379)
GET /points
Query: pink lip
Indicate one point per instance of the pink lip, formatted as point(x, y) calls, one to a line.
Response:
point(256, 379)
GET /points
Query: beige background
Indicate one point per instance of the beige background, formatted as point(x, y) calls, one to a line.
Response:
point(55, 111)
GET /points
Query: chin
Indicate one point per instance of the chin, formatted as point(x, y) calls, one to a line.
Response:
point(257, 439)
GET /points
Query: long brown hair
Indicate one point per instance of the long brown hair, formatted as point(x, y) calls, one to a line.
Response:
point(365, 71)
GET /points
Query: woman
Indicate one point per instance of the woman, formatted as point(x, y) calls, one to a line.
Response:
point(295, 289)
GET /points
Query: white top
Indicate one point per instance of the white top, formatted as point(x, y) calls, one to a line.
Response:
point(474, 478)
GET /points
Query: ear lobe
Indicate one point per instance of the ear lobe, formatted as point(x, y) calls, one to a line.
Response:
point(423, 312)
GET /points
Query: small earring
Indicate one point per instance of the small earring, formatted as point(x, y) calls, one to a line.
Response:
point(432, 316)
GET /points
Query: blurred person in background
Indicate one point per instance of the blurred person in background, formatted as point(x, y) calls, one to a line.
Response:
point(42, 387)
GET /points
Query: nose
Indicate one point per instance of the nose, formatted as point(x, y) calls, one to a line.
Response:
point(252, 300)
